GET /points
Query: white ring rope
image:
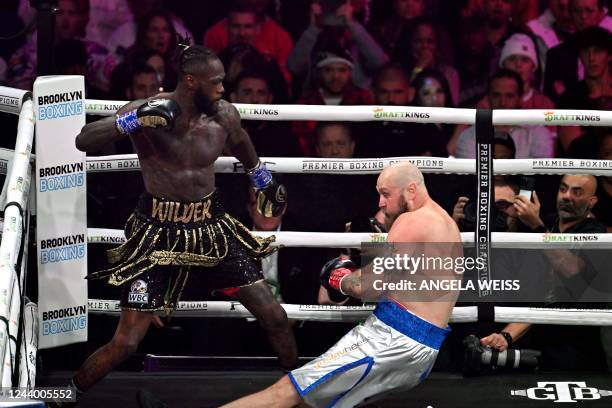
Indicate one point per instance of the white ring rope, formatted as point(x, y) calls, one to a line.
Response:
point(368, 113)
point(461, 314)
point(300, 165)
point(354, 240)
point(561, 117)
point(11, 99)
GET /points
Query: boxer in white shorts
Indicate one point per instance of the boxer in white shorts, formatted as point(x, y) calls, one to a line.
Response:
point(396, 347)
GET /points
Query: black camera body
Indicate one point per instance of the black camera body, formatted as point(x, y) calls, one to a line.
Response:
point(468, 223)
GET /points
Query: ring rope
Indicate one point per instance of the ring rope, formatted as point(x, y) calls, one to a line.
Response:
point(516, 240)
point(369, 113)
point(296, 165)
point(461, 314)
point(561, 117)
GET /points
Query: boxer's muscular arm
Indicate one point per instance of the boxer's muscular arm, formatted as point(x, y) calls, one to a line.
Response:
point(351, 284)
point(238, 141)
point(96, 135)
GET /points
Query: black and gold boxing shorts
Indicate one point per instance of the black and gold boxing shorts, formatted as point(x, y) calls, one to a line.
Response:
point(169, 240)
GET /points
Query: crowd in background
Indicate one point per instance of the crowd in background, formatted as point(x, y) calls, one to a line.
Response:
point(500, 54)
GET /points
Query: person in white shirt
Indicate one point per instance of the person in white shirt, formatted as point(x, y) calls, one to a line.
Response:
point(505, 92)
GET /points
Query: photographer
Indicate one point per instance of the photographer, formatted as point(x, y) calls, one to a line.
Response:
point(572, 272)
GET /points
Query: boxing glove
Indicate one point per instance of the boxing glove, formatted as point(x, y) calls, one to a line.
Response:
point(270, 195)
point(332, 274)
point(156, 113)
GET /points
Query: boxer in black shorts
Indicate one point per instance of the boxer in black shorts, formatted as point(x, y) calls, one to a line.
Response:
point(179, 228)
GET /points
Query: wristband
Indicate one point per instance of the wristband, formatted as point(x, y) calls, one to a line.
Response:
point(508, 337)
point(260, 176)
point(128, 123)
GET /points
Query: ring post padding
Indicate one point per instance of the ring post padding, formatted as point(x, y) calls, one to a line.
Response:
point(485, 199)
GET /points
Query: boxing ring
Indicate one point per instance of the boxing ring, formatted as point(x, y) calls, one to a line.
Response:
point(20, 316)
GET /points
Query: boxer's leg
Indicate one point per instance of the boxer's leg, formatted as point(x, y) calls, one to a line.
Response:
point(259, 300)
point(133, 326)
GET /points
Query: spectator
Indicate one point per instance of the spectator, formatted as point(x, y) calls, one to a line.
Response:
point(70, 58)
point(391, 138)
point(403, 13)
point(498, 22)
point(132, 31)
point(602, 208)
point(242, 57)
point(567, 69)
point(105, 17)
point(121, 75)
point(70, 23)
point(391, 86)
point(365, 54)
point(522, 10)
point(333, 67)
point(519, 55)
point(247, 22)
point(334, 140)
point(155, 35)
point(505, 92)
point(144, 83)
point(563, 347)
point(594, 45)
point(156, 32)
point(270, 138)
point(476, 61)
point(418, 49)
point(551, 27)
point(432, 89)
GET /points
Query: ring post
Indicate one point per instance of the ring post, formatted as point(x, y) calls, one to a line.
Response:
point(61, 210)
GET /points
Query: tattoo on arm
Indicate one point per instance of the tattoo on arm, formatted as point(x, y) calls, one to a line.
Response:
point(351, 284)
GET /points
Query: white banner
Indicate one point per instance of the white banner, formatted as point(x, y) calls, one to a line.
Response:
point(61, 208)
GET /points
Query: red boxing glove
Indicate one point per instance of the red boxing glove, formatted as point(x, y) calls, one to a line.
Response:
point(336, 277)
point(331, 275)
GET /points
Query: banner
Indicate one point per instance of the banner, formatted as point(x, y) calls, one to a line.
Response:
point(61, 208)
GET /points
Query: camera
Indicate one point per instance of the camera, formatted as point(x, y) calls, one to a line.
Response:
point(361, 223)
point(478, 357)
point(468, 223)
point(329, 17)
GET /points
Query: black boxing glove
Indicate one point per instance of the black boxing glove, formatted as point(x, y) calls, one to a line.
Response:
point(156, 113)
point(270, 195)
point(332, 274)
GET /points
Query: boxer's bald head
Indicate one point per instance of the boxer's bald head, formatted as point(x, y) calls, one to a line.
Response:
point(401, 188)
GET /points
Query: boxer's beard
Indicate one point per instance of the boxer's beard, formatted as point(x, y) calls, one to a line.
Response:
point(391, 217)
point(203, 104)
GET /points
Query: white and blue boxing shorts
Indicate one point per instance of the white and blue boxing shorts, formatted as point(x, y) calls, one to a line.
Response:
point(393, 350)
